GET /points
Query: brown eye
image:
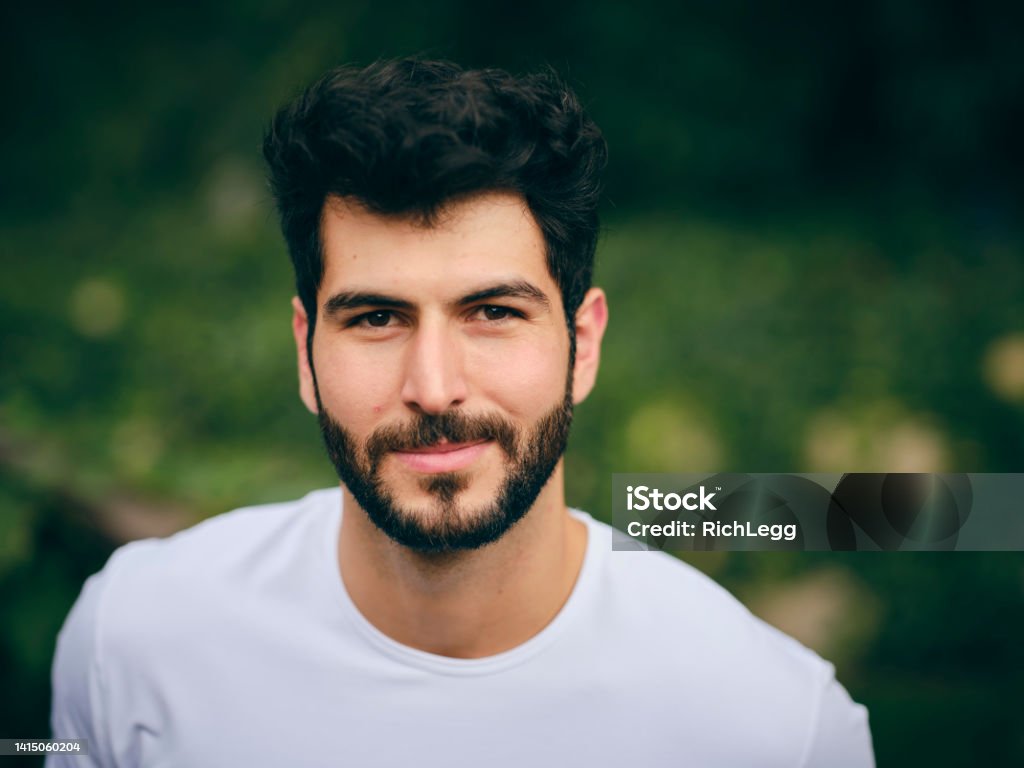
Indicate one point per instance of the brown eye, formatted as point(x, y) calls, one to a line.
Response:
point(378, 319)
point(497, 313)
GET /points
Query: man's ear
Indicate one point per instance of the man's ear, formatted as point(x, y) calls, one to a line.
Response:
point(591, 320)
point(300, 327)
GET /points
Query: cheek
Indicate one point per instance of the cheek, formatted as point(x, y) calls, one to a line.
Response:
point(527, 379)
point(354, 386)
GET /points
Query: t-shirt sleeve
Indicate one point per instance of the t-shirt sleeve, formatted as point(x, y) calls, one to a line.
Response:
point(841, 738)
point(77, 711)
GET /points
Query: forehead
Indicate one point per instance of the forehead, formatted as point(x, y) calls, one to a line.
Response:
point(485, 238)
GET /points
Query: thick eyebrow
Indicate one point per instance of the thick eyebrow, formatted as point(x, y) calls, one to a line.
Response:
point(519, 289)
point(345, 300)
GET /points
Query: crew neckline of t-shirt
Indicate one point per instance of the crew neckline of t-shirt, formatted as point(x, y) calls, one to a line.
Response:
point(448, 665)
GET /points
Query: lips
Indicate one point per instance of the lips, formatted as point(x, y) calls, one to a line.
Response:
point(442, 457)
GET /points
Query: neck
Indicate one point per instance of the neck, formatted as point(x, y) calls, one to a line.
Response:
point(466, 604)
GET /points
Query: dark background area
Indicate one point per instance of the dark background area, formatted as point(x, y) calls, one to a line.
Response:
point(813, 255)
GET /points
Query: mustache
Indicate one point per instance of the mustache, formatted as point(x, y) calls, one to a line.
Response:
point(429, 429)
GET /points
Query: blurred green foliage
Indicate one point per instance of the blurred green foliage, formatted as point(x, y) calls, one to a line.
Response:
point(813, 256)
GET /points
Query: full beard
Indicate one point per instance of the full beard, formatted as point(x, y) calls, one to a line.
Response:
point(447, 526)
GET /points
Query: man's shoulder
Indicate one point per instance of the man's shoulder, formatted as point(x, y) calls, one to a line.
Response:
point(223, 542)
point(659, 618)
point(152, 585)
point(671, 604)
point(654, 578)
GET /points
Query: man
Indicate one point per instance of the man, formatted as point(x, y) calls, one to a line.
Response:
point(443, 606)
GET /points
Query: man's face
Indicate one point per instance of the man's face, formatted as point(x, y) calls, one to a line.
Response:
point(442, 374)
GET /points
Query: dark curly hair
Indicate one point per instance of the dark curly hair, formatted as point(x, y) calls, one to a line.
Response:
point(407, 137)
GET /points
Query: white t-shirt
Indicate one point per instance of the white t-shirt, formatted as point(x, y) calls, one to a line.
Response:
point(235, 644)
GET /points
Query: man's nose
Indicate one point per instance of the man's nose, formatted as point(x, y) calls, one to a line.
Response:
point(434, 375)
